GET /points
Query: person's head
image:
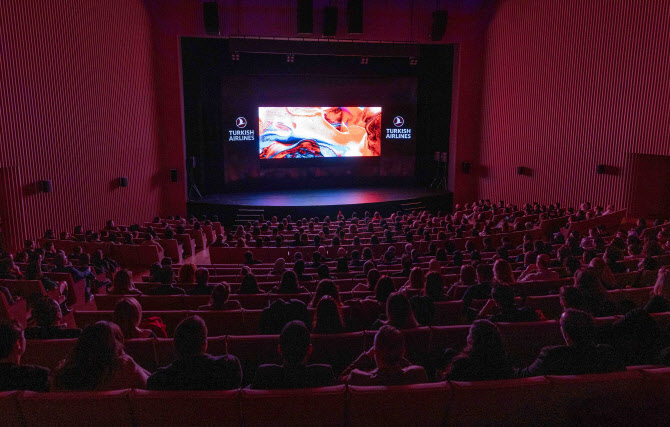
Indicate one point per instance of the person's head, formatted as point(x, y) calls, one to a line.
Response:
point(46, 312)
point(166, 275)
point(327, 318)
point(502, 272)
point(342, 265)
point(417, 278)
point(572, 264)
point(295, 344)
point(289, 282)
point(326, 287)
point(384, 289)
point(12, 341)
point(399, 311)
point(571, 297)
point(468, 275)
point(662, 286)
point(434, 286)
point(220, 295)
point(372, 278)
point(201, 276)
point(190, 337)
point(94, 358)
point(127, 315)
point(484, 273)
point(187, 273)
point(587, 279)
point(249, 285)
point(484, 339)
point(542, 262)
point(457, 258)
point(154, 270)
point(389, 347)
point(323, 272)
point(280, 265)
point(577, 327)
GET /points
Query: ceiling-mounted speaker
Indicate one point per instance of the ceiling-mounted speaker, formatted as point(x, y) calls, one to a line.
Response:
point(123, 182)
point(438, 26)
point(305, 16)
point(210, 14)
point(45, 186)
point(520, 170)
point(601, 169)
point(329, 21)
point(173, 175)
point(355, 17)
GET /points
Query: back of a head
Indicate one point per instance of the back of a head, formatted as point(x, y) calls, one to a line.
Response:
point(578, 326)
point(289, 282)
point(187, 273)
point(571, 297)
point(127, 315)
point(10, 332)
point(384, 289)
point(398, 310)
point(434, 286)
point(543, 261)
point(167, 275)
point(468, 275)
point(201, 276)
point(299, 267)
point(587, 279)
point(46, 312)
point(122, 281)
point(323, 271)
point(294, 342)
point(190, 337)
point(484, 273)
point(484, 339)
point(389, 346)
point(220, 295)
point(503, 295)
point(249, 284)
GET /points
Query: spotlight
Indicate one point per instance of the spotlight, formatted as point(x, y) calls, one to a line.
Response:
point(290, 57)
point(413, 60)
point(364, 60)
point(235, 56)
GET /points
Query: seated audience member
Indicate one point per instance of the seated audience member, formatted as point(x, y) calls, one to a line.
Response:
point(280, 312)
point(482, 290)
point(399, 313)
point(604, 273)
point(327, 319)
point(648, 268)
point(326, 287)
point(63, 265)
point(660, 295)
point(571, 265)
point(580, 355)
point(596, 299)
point(415, 282)
point(34, 272)
point(219, 243)
point(123, 284)
point(372, 279)
point(539, 271)
point(249, 285)
point(219, 300)
point(127, 316)
point(571, 297)
point(98, 362)
point(103, 264)
point(166, 287)
point(289, 285)
point(149, 241)
point(322, 272)
point(13, 375)
point(48, 320)
point(501, 308)
point(186, 273)
point(502, 273)
point(249, 259)
point(406, 264)
point(636, 337)
point(384, 364)
point(201, 287)
point(434, 288)
point(295, 348)
point(194, 369)
point(483, 358)
point(468, 276)
point(279, 267)
point(154, 272)
point(299, 270)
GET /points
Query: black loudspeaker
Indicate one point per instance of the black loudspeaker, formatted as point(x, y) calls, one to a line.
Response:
point(123, 181)
point(520, 170)
point(45, 186)
point(329, 21)
point(305, 16)
point(173, 175)
point(210, 14)
point(465, 167)
point(190, 162)
point(355, 16)
point(439, 25)
point(601, 169)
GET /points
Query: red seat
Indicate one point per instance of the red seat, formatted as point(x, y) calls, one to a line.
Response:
point(508, 402)
point(222, 322)
point(337, 350)
point(172, 249)
point(17, 311)
point(165, 351)
point(525, 340)
point(76, 408)
point(306, 298)
point(252, 321)
point(142, 350)
point(448, 313)
point(148, 254)
point(47, 353)
point(182, 408)
point(253, 351)
point(409, 405)
point(656, 386)
point(9, 408)
point(443, 337)
point(251, 301)
point(318, 406)
point(417, 343)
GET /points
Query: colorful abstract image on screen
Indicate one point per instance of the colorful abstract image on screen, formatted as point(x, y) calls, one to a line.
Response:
point(314, 132)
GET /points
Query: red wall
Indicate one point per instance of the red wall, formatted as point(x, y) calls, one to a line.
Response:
point(568, 85)
point(78, 105)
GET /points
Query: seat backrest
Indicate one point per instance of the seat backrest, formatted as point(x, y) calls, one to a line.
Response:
point(142, 350)
point(9, 408)
point(337, 350)
point(182, 408)
point(253, 351)
point(147, 255)
point(251, 301)
point(76, 408)
point(549, 305)
point(524, 341)
point(222, 322)
point(323, 406)
point(47, 353)
point(252, 321)
point(419, 404)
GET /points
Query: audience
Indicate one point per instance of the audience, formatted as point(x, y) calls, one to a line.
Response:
point(14, 375)
point(123, 284)
point(194, 369)
point(127, 316)
point(48, 320)
point(328, 319)
point(166, 286)
point(220, 301)
point(201, 287)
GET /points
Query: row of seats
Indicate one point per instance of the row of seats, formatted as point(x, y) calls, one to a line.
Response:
point(622, 398)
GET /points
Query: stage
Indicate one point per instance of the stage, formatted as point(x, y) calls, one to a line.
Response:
point(242, 206)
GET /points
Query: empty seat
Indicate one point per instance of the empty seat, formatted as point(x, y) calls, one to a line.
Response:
point(318, 406)
point(182, 408)
point(47, 353)
point(9, 408)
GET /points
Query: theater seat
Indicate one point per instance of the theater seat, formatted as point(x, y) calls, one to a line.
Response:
point(656, 397)
point(47, 353)
point(524, 341)
point(76, 408)
point(409, 405)
point(142, 350)
point(222, 322)
point(508, 402)
point(318, 406)
point(253, 351)
point(9, 408)
point(183, 408)
point(337, 350)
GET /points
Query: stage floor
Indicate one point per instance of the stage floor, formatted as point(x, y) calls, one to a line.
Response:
point(323, 197)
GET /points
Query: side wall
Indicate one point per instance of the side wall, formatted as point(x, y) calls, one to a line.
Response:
point(569, 85)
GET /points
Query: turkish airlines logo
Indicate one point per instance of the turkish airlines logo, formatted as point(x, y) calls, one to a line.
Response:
point(241, 122)
point(398, 121)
